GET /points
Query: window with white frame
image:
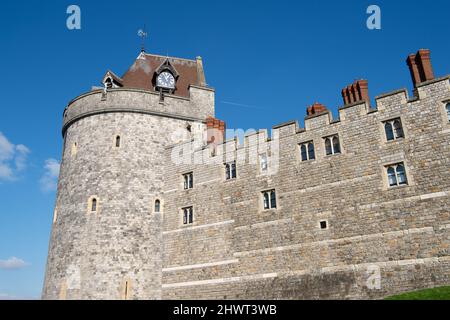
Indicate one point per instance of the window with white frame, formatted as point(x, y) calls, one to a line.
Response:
point(230, 170)
point(188, 179)
point(396, 175)
point(188, 215)
point(447, 109)
point(269, 199)
point(393, 129)
point(307, 151)
point(332, 145)
point(263, 162)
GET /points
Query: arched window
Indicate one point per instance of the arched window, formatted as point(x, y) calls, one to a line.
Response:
point(447, 107)
point(304, 153)
point(94, 205)
point(397, 175)
point(311, 153)
point(389, 131)
point(328, 147)
point(157, 206)
point(393, 129)
point(117, 141)
point(398, 129)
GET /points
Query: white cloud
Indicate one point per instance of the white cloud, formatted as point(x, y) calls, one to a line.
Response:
point(6, 296)
point(12, 263)
point(13, 159)
point(50, 178)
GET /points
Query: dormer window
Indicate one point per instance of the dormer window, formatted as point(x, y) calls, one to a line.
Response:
point(166, 77)
point(111, 81)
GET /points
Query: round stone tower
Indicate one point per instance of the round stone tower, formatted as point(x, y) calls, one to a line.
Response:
point(107, 226)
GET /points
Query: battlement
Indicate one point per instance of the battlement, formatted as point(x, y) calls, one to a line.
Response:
point(196, 107)
point(389, 105)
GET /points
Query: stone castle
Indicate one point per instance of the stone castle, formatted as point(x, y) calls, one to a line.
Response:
point(154, 203)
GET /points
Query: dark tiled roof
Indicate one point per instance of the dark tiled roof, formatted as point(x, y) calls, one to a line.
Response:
point(141, 74)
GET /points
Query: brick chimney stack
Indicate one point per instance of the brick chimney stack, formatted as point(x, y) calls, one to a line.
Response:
point(356, 92)
point(316, 108)
point(215, 131)
point(420, 66)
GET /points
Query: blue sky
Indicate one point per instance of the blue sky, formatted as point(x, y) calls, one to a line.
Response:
point(267, 61)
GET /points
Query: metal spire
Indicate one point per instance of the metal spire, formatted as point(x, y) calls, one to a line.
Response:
point(142, 33)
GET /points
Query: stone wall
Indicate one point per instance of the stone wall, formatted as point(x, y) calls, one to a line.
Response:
point(235, 249)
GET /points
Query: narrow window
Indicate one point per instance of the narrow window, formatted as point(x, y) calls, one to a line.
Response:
point(401, 175)
point(266, 201)
point(273, 199)
point(74, 149)
point(447, 107)
point(126, 290)
point(233, 170)
point(94, 205)
point(55, 215)
point(188, 180)
point(263, 162)
point(336, 145)
point(328, 147)
point(157, 206)
point(304, 152)
point(323, 225)
point(391, 176)
point(188, 215)
point(311, 153)
point(397, 175)
point(389, 131)
point(398, 129)
point(117, 141)
point(269, 199)
point(332, 145)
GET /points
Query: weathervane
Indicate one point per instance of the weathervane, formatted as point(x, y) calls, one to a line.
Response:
point(142, 33)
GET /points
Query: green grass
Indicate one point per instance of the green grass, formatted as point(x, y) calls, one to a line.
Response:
point(440, 293)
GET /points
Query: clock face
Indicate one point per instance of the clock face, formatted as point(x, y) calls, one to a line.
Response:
point(165, 80)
